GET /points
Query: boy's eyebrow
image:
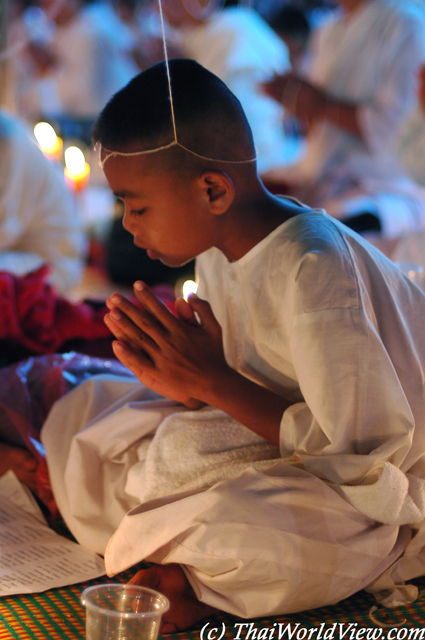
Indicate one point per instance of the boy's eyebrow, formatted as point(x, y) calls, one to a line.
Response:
point(126, 194)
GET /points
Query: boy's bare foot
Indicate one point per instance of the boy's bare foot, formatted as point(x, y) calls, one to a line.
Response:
point(21, 462)
point(170, 580)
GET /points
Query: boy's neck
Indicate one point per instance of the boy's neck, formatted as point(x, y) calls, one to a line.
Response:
point(254, 219)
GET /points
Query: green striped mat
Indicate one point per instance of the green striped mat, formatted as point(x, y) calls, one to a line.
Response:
point(59, 615)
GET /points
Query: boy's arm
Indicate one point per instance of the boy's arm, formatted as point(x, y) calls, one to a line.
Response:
point(185, 360)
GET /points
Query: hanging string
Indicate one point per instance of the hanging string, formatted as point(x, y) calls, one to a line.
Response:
point(164, 43)
point(108, 153)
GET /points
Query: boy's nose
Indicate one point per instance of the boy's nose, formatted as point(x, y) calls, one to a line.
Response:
point(127, 222)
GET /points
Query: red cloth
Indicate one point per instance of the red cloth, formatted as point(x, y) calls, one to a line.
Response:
point(33, 316)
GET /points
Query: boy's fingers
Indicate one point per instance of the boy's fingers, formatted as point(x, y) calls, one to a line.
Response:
point(136, 362)
point(204, 311)
point(141, 318)
point(116, 330)
point(124, 330)
point(185, 312)
point(150, 302)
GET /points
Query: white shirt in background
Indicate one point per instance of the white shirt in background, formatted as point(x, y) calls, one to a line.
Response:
point(370, 58)
point(38, 222)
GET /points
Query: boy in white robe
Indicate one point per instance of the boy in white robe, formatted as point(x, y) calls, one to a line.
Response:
point(286, 469)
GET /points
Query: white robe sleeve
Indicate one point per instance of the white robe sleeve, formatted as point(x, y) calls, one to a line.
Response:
point(355, 427)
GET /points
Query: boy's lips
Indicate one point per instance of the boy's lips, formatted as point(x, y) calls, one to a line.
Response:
point(153, 255)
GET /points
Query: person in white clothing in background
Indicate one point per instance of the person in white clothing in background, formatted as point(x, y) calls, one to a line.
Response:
point(354, 98)
point(38, 221)
point(85, 61)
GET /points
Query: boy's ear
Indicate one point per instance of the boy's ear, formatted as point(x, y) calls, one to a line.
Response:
point(218, 190)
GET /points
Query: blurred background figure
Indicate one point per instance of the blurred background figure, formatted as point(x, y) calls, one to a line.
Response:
point(141, 19)
point(409, 249)
point(38, 222)
point(83, 60)
point(292, 25)
point(20, 86)
point(411, 144)
point(359, 87)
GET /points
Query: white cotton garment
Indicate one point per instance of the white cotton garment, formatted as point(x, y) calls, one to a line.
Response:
point(192, 450)
point(320, 317)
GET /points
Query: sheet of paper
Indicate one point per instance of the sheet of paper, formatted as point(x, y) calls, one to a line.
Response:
point(20, 495)
point(34, 558)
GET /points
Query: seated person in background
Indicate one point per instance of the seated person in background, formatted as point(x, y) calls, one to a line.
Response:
point(85, 61)
point(410, 247)
point(358, 92)
point(411, 143)
point(286, 469)
point(38, 222)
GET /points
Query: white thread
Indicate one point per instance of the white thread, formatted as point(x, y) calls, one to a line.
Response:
point(175, 142)
point(164, 42)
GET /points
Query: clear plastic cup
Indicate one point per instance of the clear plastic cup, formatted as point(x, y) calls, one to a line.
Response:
point(123, 612)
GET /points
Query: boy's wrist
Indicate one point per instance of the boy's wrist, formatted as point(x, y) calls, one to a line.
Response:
point(251, 404)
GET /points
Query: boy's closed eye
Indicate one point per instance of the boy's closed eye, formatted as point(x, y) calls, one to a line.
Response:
point(137, 212)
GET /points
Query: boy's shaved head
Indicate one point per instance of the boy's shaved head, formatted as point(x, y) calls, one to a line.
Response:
point(209, 118)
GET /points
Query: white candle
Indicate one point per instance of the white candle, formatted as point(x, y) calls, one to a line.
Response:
point(50, 144)
point(77, 170)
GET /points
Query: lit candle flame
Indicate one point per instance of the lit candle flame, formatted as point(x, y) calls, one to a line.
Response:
point(74, 160)
point(48, 141)
point(189, 287)
point(77, 170)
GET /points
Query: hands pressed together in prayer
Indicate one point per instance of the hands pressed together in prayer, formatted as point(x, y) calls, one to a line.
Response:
point(179, 357)
point(182, 358)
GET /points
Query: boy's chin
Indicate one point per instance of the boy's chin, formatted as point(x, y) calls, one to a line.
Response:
point(174, 262)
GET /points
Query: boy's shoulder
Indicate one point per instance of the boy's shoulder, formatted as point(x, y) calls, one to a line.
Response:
point(311, 231)
point(308, 263)
point(314, 230)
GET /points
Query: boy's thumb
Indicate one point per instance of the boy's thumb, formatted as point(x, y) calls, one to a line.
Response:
point(204, 311)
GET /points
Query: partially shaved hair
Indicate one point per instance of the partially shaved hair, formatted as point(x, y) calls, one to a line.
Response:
point(209, 118)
